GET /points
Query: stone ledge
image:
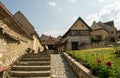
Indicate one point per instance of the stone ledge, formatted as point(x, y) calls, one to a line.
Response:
point(78, 68)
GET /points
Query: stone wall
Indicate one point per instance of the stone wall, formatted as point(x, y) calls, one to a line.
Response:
point(100, 32)
point(14, 37)
point(13, 52)
point(10, 49)
point(3, 46)
point(93, 45)
point(78, 68)
point(79, 39)
point(37, 46)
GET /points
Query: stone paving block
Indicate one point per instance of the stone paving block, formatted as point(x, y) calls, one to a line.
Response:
point(60, 68)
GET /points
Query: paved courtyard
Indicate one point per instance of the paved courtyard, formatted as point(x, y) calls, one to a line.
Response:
point(60, 68)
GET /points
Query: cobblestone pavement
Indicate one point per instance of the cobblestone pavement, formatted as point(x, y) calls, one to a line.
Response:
point(60, 68)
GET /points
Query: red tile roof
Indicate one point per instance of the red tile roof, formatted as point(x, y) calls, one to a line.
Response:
point(50, 41)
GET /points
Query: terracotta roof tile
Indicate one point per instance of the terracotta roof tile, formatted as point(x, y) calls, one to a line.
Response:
point(50, 41)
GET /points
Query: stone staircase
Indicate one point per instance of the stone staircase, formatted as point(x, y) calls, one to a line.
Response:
point(31, 66)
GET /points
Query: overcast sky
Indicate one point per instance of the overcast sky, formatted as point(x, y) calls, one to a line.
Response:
point(55, 17)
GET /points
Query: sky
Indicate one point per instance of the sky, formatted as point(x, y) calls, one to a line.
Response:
point(55, 17)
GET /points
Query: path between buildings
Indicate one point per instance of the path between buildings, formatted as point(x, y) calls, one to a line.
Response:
point(60, 68)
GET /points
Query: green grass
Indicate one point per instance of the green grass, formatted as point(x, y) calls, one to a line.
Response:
point(104, 54)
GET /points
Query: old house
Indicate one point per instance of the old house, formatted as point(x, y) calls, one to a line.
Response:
point(78, 34)
point(43, 38)
point(37, 45)
point(50, 43)
point(106, 31)
point(14, 39)
point(118, 35)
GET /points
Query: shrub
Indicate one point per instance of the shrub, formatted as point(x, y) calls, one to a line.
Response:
point(117, 52)
point(87, 64)
point(96, 39)
point(117, 74)
point(109, 64)
point(101, 70)
point(97, 61)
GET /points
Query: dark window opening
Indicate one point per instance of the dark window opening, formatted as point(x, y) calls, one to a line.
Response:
point(74, 45)
point(51, 47)
point(110, 39)
point(112, 32)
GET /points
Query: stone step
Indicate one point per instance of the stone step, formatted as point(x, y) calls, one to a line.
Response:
point(35, 56)
point(30, 74)
point(30, 77)
point(35, 59)
point(38, 54)
point(30, 68)
point(30, 63)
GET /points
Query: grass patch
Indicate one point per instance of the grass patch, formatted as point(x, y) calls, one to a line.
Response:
point(89, 58)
